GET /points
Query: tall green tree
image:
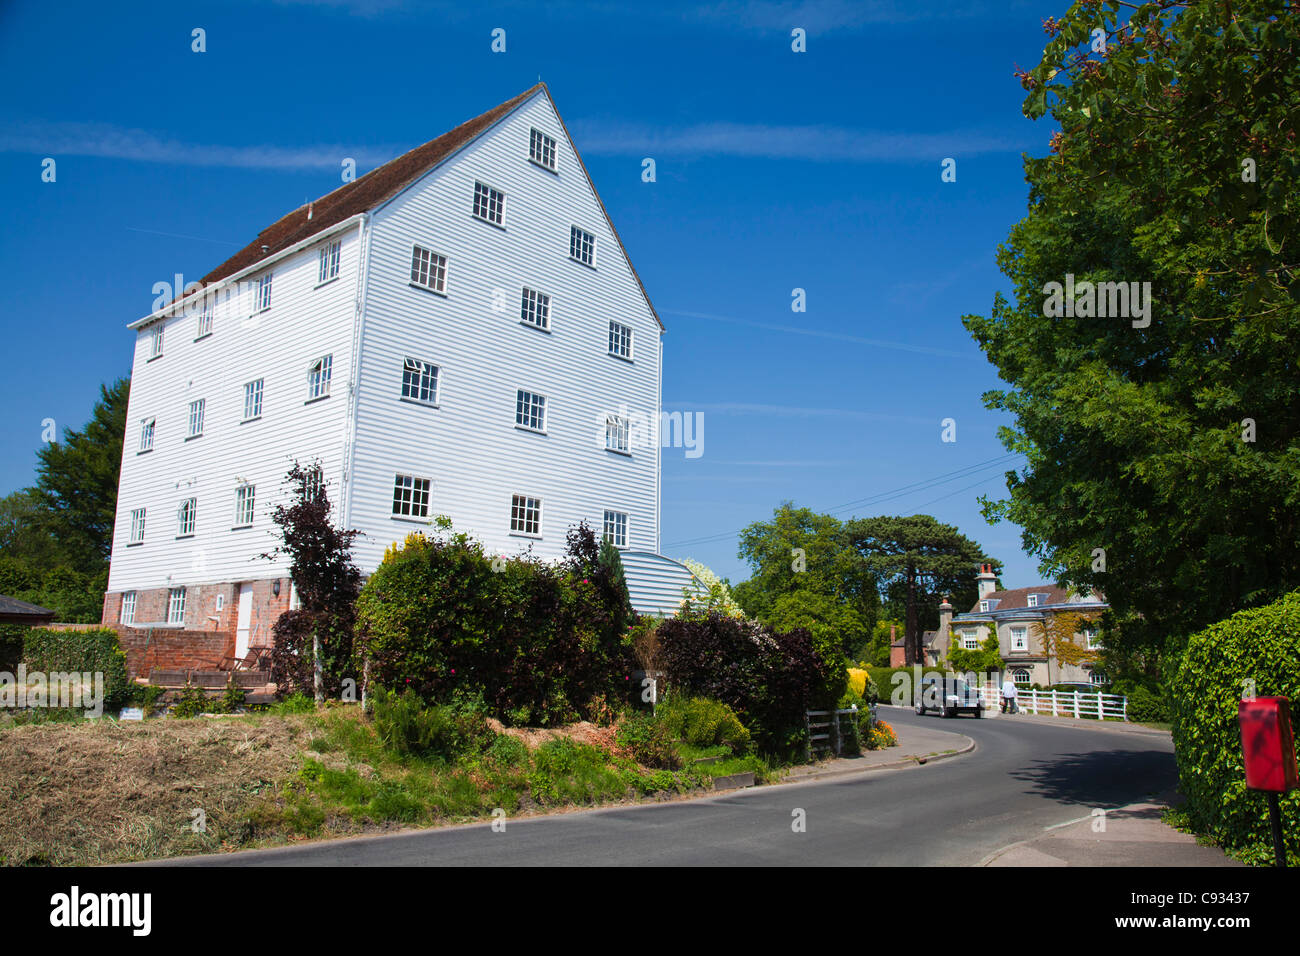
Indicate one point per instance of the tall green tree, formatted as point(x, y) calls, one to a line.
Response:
point(76, 483)
point(1163, 449)
point(918, 557)
point(805, 569)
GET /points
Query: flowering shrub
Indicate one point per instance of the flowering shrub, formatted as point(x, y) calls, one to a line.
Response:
point(882, 735)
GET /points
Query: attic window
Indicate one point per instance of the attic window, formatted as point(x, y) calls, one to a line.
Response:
point(1033, 600)
point(541, 149)
point(984, 607)
point(582, 246)
point(489, 204)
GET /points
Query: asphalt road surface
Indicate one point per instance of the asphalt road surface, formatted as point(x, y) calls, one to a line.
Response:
point(1021, 778)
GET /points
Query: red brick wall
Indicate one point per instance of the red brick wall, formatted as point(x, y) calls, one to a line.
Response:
point(168, 648)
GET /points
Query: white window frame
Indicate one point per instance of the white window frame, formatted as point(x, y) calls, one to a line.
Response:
point(253, 392)
point(620, 335)
point(429, 269)
point(197, 409)
point(319, 374)
point(245, 505)
point(530, 407)
point(984, 607)
point(526, 511)
point(1092, 639)
point(1020, 676)
point(535, 309)
point(412, 496)
point(262, 293)
point(618, 431)
point(489, 204)
point(186, 517)
point(1098, 678)
point(330, 255)
point(1020, 638)
point(176, 605)
point(1032, 600)
point(138, 520)
point(156, 340)
point(418, 378)
point(581, 241)
point(615, 527)
point(204, 319)
point(970, 640)
point(147, 429)
point(127, 613)
point(539, 145)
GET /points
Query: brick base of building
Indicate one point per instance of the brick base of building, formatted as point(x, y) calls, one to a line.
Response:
point(207, 633)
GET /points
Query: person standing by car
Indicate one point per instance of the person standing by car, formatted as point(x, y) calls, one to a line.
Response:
point(1008, 695)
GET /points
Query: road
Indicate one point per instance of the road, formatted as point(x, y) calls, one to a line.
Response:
point(1021, 778)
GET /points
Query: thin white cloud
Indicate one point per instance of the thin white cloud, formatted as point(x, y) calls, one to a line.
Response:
point(794, 411)
point(107, 141)
point(813, 143)
point(821, 334)
point(822, 16)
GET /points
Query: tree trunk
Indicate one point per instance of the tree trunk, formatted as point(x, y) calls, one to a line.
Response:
point(911, 638)
point(317, 678)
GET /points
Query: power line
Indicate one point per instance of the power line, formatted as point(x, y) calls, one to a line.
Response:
point(913, 487)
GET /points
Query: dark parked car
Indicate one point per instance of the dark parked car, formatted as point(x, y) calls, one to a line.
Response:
point(948, 695)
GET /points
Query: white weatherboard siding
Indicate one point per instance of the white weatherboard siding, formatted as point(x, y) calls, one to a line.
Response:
point(469, 445)
point(655, 583)
point(305, 321)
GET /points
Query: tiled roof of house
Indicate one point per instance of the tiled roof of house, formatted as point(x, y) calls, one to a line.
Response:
point(13, 608)
point(381, 184)
point(1019, 598)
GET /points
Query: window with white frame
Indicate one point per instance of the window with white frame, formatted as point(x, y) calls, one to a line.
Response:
point(146, 434)
point(1092, 639)
point(1097, 677)
point(329, 261)
point(1033, 600)
point(185, 516)
point(489, 203)
point(420, 381)
point(205, 318)
point(1020, 676)
point(411, 496)
point(1019, 639)
point(128, 608)
point(252, 400)
point(535, 309)
point(314, 485)
point(428, 269)
point(176, 606)
point(196, 418)
point(525, 515)
point(984, 607)
point(970, 640)
point(137, 525)
point(541, 149)
point(620, 340)
point(245, 501)
point(318, 377)
point(156, 340)
point(530, 410)
point(262, 293)
point(616, 433)
point(582, 246)
point(616, 528)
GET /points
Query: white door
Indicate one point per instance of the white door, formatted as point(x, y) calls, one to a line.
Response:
point(245, 619)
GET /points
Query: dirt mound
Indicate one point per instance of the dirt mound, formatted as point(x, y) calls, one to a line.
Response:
point(584, 732)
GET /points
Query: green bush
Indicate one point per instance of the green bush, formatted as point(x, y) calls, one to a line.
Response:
point(884, 681)
point(11, 646)
point(648, 740)
point(95, 650)
point(191, 702)
point(701, 722)
point(406, 726)
point(1147, 706)
point(1260, 645)
point(538, 642)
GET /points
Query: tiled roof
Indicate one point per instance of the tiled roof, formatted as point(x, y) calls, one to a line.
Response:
point(381, 184)
point(1019, 598)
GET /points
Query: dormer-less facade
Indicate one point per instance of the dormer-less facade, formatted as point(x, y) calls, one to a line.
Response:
point(459, 332)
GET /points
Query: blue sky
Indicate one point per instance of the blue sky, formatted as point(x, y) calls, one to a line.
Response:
point(775, 170)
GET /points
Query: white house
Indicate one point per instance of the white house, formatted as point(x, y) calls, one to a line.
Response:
point(458, 332)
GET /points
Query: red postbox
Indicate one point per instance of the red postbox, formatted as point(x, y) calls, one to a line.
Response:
point(1268, 744)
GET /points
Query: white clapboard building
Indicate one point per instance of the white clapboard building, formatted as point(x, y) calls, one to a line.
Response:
point(458, 332)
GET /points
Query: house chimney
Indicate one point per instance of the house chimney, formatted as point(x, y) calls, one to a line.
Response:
point(988, 581)
point(943, 639)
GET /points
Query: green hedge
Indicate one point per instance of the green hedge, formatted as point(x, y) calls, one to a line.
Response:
point(11, 646)
point(1263, 645)
point(884, 679)
point(95, 650)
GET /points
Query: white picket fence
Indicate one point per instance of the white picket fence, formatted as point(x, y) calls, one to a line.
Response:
point(1059, 703)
